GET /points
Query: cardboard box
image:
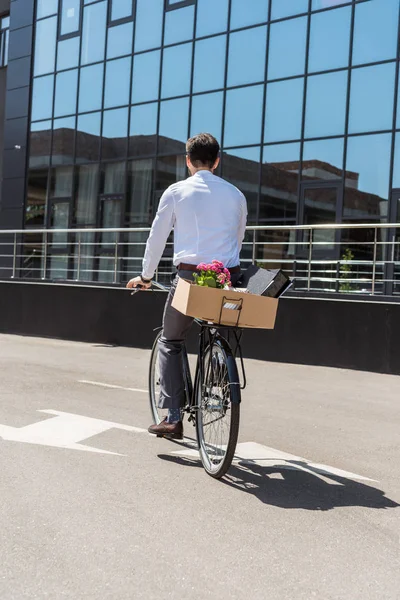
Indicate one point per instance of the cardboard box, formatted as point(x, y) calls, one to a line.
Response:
point(225, 307)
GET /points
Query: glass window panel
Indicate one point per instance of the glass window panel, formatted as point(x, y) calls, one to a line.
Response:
point(323, 159)
point(65, 99)
point(286, 8)
point(40, 144)
point(121, 9)
point(329, 40)
point(243, 13)
point(42, 98)
point(174, 116)
point(209, 52)
point(170, 169)
point(179, 25)
point(242, 126)
point(247, 56)
point(375, 31)
point(94, 33)
point(279, 186)
point(86, 194)
point(398, 108)
point(371, 98)
point(117, 82)
point(241, 167)
point(61, 182)
point(113, 178)
point(115, 133)
point(149, 22)
point(91, 88)
point(326, 104)
point(396, 167)
point(284, 110)
point(70, 16)
point(140, 185)
point(146, 76)
point(68, 54)
point(63, 141)
point(207, 114)
point(36, 198)
point(287, 48)
point(177, 64)
point(212, 17)
point(88, 137)
point(119, 42)
point(46, 8)
point(367, 176)
point(59, 219)
point(45, 46)
point(143, 130)
point(318, 4)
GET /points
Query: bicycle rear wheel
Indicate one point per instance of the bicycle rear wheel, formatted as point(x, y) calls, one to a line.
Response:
point(159, 414)
point(217, 399)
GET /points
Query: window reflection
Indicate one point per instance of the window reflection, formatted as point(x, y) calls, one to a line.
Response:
point(179, 25)
point(42, 98)
point(170, 169)
point(247, 56)
point(242, 127)
point(242, 168)
point(286, 8)
point(329, 40)
point(371, 99)
point(36, 198)
point(323, 160)
point(375, 31)
point(242, 16)
point(68, 53)
point(287, 48)
point(90, 88)
point(207, 114)
point(318, 4)
point(177, 63)
point(367, 187)
point(63, 141)
point(65, 98)
point(284, 110)
point(121, 9)
point(140, 185)
point(45, 46)
point(119, 41)
point(209, 52)
point(279, 183)
point(149, 20)
point(326, 104)
point(212, 17)
point(396, 166)
point(86, 194)
point(173, 132)
point(88, 137)
point(61, 182)
point(40, 144)
point(117, 82)
point(113, 178)
point(46, 8)
point(94, 33)
point(143, 129)
point(146, 76)
point(115, 133)
point(70, 16)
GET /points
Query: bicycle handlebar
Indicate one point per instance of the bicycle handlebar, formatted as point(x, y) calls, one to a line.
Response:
point(155, 284)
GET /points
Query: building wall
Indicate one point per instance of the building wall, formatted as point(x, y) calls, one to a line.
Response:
point(4, 9)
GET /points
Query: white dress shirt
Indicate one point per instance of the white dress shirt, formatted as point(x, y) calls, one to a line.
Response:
point(208, 215)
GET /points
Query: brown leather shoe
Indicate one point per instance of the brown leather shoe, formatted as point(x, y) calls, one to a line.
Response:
point(172, 431)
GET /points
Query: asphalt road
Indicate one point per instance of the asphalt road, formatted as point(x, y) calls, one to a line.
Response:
point(139, 518)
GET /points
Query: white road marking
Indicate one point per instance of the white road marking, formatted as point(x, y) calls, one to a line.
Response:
point(115, 387)
point(248, 453)
point(65, 430)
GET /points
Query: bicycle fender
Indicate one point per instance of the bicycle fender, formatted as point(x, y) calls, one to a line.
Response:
point(232, 372)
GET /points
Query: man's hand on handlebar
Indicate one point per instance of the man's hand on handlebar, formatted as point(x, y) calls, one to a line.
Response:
point(137, 282)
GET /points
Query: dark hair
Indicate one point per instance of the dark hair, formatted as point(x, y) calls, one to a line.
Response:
point(202, 149)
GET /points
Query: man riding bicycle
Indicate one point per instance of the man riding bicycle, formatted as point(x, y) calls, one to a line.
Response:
point(208, 216)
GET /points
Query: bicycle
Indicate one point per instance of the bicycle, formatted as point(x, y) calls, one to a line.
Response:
point(212, 402)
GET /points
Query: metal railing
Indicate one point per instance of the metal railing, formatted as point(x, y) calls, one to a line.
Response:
point(346, 258)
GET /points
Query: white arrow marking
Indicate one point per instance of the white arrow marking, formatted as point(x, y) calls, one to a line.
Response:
point(111, 386)
point(65, 430)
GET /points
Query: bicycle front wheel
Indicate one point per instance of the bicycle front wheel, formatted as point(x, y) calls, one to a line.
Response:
point(217, 396)
point(159, 414)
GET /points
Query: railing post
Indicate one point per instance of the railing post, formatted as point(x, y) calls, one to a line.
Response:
point(44, 256)
point(116, 257)
point(374, 260)
point(14, 267)
point(78, 268)
point(253, 258)
point(310, 249)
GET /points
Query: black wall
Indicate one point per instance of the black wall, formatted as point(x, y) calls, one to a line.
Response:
point(349, 334)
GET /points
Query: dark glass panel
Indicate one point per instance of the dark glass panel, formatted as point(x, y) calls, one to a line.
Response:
point(117, 82)
point(212, 17)
point(371, 99)
point(46, 8)
point(70, 16)
point(375, 31)
point(45, 46)
point(40, 144)
point(91, 88)
point(179, 25)
point(209, 52)
point(323, 159)
point(286, 8)
point(140, 186)
point(66, 88)
point(247, 56)
point(367, 176)
point(42, 98)
point(61, 182)
point(177, 63)
point(149, 21)
point(287, 48)
point(329, 40)
point(68, 54)
point(396, 166)
point(284, 110)
point(143, 129)
point(320, 207)
point(94, 33)
point(146, 76)
point(59, 219)
point(243, 126)
point(242, 168)
point(63, 141)
point(173, 132)
point(326, 104)
point(111, 213)
point(170, 169)
point(121, 9)
point(242, 14)
point(115, 133)
point(119, 41)
point(207, 114)
point(88, 138)
point(113, 178)
point(36, 198)
point(279, 184)
point(87, 182)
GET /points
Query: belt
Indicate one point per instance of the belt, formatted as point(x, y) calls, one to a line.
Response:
point(187, 267)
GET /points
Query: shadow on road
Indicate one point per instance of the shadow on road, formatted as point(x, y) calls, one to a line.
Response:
point(290, 487)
